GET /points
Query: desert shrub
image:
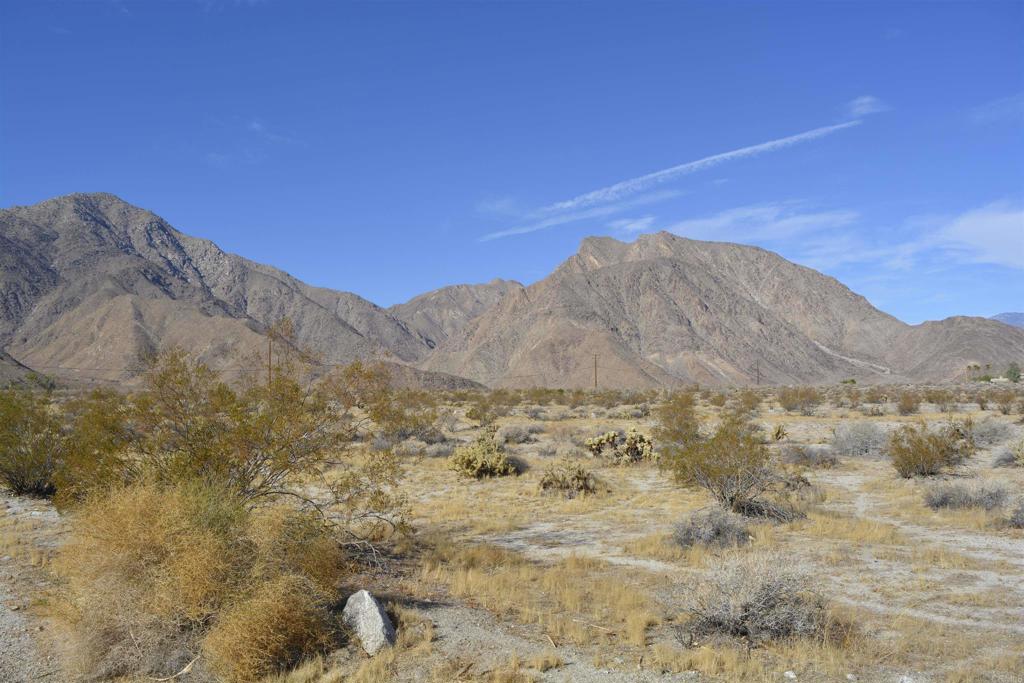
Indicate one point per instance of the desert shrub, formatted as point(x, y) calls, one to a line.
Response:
point(570, 478)
point(875, 395)
point(677, 424)
point(858, 439)
point(733, 466)
point(802, 399)
point(152, 570)
point(97, 433)
point(916, 450)
point(717, 399)
point(519, 433)
point(439, 450)
point(815, 456)
point(1011, 456)
point(1017, 516)
point(758, 596)
point(748, 401)
point(713, 527)
point(908, 403)
point(991, 432)
point(30, 443)
point(622, 449)
point(1005, 400)
point(958, 496)
point(482, 458)
point(941, 398)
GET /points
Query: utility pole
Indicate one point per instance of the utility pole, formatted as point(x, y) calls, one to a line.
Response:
point(757, 370)
point(270, 355)
point(595, 372)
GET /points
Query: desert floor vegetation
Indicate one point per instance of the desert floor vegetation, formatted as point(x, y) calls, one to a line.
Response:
point(734, 537)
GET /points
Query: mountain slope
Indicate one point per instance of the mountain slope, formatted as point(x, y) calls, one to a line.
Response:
point(667, 310)
point(439, 314)
point(92, 284)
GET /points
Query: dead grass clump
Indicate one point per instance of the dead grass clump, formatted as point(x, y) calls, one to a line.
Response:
point(282, 620)
point(519, 434)
point(714, 527)
point(482, 458)
point(859, 439)
point(916, 450)
point(759, 596)
point(959, 496)
point(153, 573)
point(570, 478)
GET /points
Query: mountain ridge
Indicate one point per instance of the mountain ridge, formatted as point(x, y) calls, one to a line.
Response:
point(88, 280)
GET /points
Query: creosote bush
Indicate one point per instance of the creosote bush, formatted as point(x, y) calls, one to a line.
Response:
point(960, 496)
point(570, 478)
point(30, 443)
point(1016, 520)
point(759, 596)
point(908, 403)
point(712, 527)
point(802, 399)
point(918, 451)
point(482, 458)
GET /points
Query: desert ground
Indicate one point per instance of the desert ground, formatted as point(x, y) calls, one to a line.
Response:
point(501, 580)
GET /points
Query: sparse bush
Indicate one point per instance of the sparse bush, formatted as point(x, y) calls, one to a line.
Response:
point(1011, 456)
point(713, 527)
point(959, 496)
point(758, 596)
point(940, 398)
point(815, 456)
point(908, 403)
point(991, 432)
point(519, 434)
point(1005, 399)
point(570, 478)
point(803, 399)
point(31, 446)
point(717, 399)
point(482, 458)
point(915, 450)
point(858, 439)
point(677, 425)
point(1017, 516)
point(748, 401)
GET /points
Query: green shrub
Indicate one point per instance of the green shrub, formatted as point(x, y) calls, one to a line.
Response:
point(917, 451)
point(802, 399)
point(31, 446)
point(482, 458)
point(908, 403)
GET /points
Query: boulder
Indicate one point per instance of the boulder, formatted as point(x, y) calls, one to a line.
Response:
point(368, 620)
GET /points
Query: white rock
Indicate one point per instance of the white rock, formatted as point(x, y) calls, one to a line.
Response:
point(789, 674)
point(367, 619)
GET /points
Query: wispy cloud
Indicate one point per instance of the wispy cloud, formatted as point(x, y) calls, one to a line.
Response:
point(259, 128)
point(763, 222)
point(1004, 109)
point(632, 224)
point(642, 183)
point(990, 234)
point(572, 217)
point(865, 105)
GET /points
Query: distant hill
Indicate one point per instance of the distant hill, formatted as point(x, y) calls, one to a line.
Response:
point(90, 285)
point(1015, 319)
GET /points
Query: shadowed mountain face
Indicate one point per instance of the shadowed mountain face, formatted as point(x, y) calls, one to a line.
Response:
point(1015, 319)
point(89, 285)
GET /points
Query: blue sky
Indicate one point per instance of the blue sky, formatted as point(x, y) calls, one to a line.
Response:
point(388, 148)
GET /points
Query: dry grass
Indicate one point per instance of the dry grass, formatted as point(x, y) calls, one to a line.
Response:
point(835, 526)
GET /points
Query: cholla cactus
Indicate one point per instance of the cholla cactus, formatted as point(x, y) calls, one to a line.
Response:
point(599, 444)
point(634, 447)
point(482, 458)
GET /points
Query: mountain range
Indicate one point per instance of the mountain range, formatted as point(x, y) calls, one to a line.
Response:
point(90, 285)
